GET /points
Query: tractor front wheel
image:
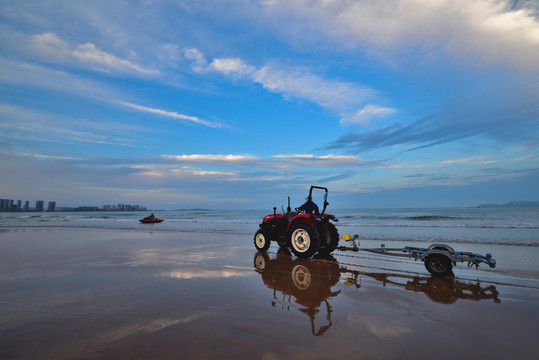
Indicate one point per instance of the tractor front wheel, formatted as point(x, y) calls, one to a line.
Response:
point(303, 240)
point(262, 242)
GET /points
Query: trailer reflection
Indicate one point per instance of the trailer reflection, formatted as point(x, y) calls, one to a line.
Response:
point(308, 283)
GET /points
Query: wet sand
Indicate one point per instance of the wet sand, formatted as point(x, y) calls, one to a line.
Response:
point(105, 294)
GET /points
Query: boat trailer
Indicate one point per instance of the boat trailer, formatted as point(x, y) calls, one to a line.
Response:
point(438, 258)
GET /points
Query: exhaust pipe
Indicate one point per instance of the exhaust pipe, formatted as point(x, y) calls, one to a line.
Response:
point(288, 209)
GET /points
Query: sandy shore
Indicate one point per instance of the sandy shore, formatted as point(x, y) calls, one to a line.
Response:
point(104, 294)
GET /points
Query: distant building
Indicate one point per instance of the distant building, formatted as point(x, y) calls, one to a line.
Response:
point(26, 205)
point(6, 204)
point(51, 206)
point(39, 205)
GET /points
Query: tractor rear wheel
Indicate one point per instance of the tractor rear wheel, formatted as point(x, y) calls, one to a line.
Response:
point(329, 240)
point(262, 242)
point(303, 240)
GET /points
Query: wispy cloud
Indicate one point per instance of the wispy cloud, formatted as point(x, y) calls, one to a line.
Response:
point(36, 76)
point(39, 126)
point(275, 161)
point(172, 114)
point(347, 99)
point(470, 160)
point(364, 115)
point(330, 160)
point(494, 116)
point(212, 158)
point(39, 156)
point(183, 172)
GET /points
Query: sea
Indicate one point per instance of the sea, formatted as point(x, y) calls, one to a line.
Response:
point(511, 235)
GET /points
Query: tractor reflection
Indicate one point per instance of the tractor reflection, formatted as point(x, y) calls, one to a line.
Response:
point(308, 281)
point(306, 284)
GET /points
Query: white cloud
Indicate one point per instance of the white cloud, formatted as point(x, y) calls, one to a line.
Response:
point(183, 172)
point(485, 30)
point(364, 115)
point(213, 158)
point(298, 83)
point(51, 46)
point(90, 54)
point(197, 58)
point(282, 161)
point(227, 66)
point(340, 97)
point(232, 67)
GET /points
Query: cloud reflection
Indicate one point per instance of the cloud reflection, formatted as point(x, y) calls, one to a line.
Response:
point(382, 327)
point(150, 327)
point(197, 274)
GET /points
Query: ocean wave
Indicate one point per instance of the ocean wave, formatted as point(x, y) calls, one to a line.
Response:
point(437, 217)
point(415, 217)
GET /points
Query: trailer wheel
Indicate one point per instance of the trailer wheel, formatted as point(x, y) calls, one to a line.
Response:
point(329, 241)
point(303, 240)
point(438, 265)
point(262, 242)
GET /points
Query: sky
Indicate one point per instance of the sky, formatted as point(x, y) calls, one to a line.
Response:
point(239, 104)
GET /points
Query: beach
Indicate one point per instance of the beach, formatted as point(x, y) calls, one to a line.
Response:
point(74, 293)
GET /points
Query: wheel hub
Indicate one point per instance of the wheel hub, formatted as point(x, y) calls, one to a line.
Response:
point(300, 240)
point(260, 240)
point(437, 264)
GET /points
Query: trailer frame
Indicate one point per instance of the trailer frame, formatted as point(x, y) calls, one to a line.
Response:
point(438, 258)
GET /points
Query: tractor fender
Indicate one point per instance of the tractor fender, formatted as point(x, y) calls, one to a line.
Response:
point(301, 218)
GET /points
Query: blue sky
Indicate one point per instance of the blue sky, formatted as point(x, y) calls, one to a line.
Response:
point(239, 104)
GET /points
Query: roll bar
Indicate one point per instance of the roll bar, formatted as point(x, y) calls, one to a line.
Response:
point(325, 196)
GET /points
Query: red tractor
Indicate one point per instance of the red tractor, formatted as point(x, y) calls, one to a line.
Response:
point(306, 230)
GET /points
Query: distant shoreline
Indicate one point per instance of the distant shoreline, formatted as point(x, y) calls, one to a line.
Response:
point(511, 204)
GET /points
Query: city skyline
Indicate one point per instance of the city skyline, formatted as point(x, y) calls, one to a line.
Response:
point(240, 104)
point(9, 205)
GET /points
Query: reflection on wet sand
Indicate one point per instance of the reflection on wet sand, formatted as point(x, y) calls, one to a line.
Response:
point(308, 283)
point(307, 280)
